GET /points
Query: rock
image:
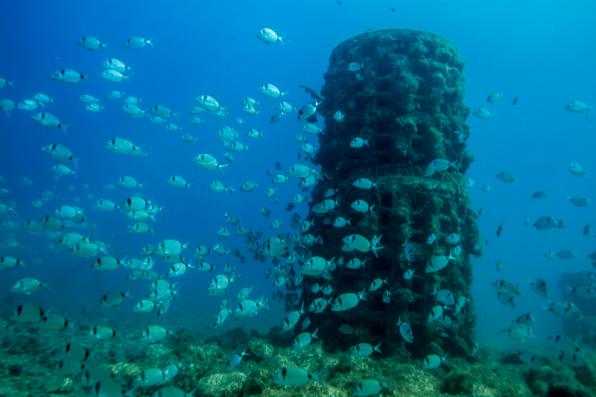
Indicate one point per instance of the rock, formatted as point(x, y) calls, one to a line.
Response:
point(260, 349)
point(222, 385)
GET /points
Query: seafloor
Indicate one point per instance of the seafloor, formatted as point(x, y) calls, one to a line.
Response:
point(29, 367)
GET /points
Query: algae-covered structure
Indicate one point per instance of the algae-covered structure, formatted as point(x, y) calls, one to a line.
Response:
point(395, 115)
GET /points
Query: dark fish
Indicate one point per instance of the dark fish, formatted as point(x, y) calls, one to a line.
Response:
point(587, 230)
point(500, 229)
point(539, 194)
point(514, 102)
point(526, 319)
point(506, 299)
point(505, 177)
point(566, 254)
point(393, 9)
point(274, 119)
point(580, 201)
point(312, 92)
point(494, 97)
point(592, 256)
point(547, 222)
point(539, 286)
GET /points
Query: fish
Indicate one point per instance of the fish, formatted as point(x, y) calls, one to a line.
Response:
point(53, 321)
point(518, 332)
point(28, 104)
point(405, 330)
point(269, 36)
point(178, 182)
point(91, 43)
point(358, 142)
point(437, 263)
point(144, 306)
point(27, 285)
point(432, 361)
point(236, 359)
point(563, 308)
point(113, 75)
point(112, 299)
point(28, 313)
point(500, 229)
point(366, 388)
point(155, 334)
point(102, 332)
point(580, 201)
point(271, 91)
point(445, 297)
point(547, 222)
point(576, 169)
point(539, 194)
point(117, 65)
point(48, 120)
point(124, 146)
point(69, 76)
point(207, 161)
point(566, 254)
point(10, 262)
point(6, 83)
point(292, 318)
point(339, 116)
point(453, 238)
point(494, 97)
point(482, 113)
point(308, 112)
point(409, 251)
point(135, 42)
point(362, 206)
point(150, 377)
point(375, 284)
point(364, 184)
point(540, 287)
point(437, 165)
point(293, 376)
point(577, 106)
point(431, 239)
point(365, 349)
point(505, 177)
point(304, 339)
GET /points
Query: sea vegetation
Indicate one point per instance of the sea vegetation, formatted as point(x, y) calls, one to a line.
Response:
point(29, 368)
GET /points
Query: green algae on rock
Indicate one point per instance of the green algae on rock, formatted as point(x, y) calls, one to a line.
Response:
point(404, 99)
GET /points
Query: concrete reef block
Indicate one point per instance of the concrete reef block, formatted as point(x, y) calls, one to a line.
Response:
point(402, 92)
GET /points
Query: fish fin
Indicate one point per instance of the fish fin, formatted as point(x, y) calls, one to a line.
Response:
point(377, 347)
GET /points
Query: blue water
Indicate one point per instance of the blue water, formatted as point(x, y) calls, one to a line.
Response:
point(542, 52)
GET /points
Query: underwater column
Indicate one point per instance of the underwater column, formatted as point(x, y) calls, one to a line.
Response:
point(395, 138)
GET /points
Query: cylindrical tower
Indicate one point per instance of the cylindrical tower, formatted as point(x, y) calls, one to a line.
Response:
point(395, 142)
